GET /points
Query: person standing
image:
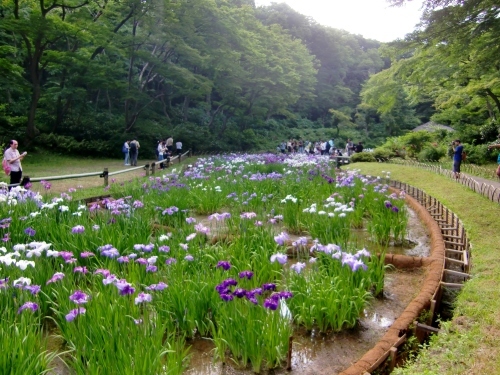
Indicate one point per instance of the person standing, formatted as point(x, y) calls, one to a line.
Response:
point(359, 147)
point(12, 156)
point(125, 150)
point(178, 147)
point(161, 149)
point(349, 147)
point(170, 144)
point(498, 158)
point(458, 149)
point(134, 152)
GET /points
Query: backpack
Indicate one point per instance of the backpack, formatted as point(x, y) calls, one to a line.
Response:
point(464, 155)
point(6, 167)
point(133, 147)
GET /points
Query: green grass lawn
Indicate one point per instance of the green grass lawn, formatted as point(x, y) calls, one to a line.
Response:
point(470, 343)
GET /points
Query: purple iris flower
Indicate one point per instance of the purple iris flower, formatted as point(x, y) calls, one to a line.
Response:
point(246, 274)
point(80, 269)
point(388, 204)
point(285, 294)
point(142, 261)
point(78, 229)
point(164, 249)
point(123, 259)
point(28, 306)
point(190, 220)
point(138, 204)
point(279, 257)
point(57, 276)
point(240, 292)
point(189, 258)
point(225, 265)
point(30, 231)
point(169, 261)
point(271, 304)
point(281, 238)
point(298, 267)
point(158, 287)
point(143, 298)
point(269, 286)
point(112, 253)
point(102, 271)
point(33, 289)
point(148, 248)
point(125, 288)
point(151, 268)
point(74, 313)
point(79, 297)
point(395, 209)
point(87, 254)
point(227, 297)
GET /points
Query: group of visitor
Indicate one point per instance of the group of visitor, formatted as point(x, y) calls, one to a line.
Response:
point(320, 147)
point(163, 151)
point(130, 150)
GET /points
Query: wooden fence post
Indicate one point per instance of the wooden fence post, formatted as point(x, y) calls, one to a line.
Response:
point(105, 175)
point(153, 167)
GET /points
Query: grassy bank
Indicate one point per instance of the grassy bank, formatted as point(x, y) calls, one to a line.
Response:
point(470, 343)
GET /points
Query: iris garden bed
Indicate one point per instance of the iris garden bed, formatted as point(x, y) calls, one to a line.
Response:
point(143, 266)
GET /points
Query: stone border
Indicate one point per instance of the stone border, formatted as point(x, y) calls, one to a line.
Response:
point(395, 334)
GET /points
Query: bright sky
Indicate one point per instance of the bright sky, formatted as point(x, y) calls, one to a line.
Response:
point(374, 19)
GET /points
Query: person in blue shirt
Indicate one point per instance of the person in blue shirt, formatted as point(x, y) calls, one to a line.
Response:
point(497, 145)
point(458, 149)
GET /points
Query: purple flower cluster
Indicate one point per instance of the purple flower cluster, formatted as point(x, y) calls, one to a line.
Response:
point(170, 210)
point(225, 293)
point(273, 301)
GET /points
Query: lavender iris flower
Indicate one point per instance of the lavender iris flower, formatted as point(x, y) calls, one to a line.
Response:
point(279, 257)
point(79, 297)
point(143, 298)
point(78, 229)
point(74, 313)
point(28, 306)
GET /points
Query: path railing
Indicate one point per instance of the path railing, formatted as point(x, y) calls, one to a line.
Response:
point(488, 190)
point(150, 168)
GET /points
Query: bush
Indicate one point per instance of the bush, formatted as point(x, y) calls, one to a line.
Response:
point(383, 153)
point(478, 154)
point(430, 153)
point(363, 157)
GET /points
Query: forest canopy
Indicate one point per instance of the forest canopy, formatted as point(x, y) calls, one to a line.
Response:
point(82, 76)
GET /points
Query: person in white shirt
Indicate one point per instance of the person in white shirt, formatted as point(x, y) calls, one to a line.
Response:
point(178, 146)
point(12, 156)
point(125, 150)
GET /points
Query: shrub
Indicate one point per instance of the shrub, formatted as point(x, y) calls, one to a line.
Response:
point(383, 153)
point(431, 153)
point(363, 157)
point(478, 154)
